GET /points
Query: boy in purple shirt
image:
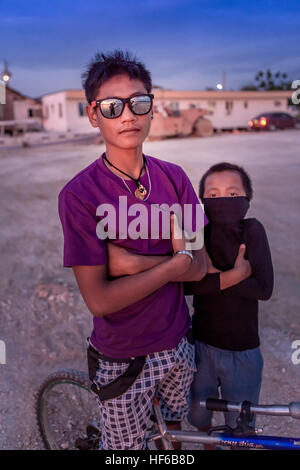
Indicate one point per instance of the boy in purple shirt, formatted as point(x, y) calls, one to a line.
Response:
point(141, 321)
point(140, 341)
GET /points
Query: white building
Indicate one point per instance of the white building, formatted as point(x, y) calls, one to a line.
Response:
point(65, 110)
point(16, 106)
point(18, 112)
point(227, 109)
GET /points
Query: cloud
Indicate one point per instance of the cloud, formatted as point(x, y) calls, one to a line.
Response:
point(185, 43)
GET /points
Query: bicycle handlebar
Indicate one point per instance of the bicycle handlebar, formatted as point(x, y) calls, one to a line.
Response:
point(214, 404)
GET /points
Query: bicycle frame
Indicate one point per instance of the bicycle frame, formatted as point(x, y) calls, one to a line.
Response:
point(223, 439)
point(243, 436)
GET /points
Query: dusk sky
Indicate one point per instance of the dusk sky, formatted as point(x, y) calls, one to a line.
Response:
point(186, 44)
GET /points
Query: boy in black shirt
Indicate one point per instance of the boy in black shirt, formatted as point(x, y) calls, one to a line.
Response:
point(225, 320)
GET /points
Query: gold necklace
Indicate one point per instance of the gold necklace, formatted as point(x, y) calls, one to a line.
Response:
point(140, 191)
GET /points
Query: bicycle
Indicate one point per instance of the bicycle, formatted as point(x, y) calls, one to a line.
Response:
point(62, 429)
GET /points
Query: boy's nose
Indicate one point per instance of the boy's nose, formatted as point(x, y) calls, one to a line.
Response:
point(127, 114)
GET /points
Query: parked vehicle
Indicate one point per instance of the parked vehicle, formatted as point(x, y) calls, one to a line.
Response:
point(272, 121)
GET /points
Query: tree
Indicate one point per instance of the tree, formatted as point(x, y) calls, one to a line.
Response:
point(268, 81)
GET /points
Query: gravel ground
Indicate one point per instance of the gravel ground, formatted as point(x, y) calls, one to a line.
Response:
point(44, 321)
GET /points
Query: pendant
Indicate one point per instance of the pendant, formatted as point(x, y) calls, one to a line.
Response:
point(140, 191)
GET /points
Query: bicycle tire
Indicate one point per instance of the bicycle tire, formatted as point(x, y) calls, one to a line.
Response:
point(53, 401)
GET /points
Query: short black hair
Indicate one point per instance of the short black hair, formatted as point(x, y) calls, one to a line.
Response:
point(225, 166)
point(105, 66)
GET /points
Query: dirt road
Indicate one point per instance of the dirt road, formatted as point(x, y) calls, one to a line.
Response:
point(43, 320)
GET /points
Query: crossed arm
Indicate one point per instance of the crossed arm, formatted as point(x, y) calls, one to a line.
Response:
point(258, 285)
point(128, 278)
point(122, 263)
point(103, 296)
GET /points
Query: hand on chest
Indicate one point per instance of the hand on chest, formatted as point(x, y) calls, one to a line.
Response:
point(223, 242)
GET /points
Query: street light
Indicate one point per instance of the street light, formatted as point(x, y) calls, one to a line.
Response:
point(220, 86)
point(6, 74)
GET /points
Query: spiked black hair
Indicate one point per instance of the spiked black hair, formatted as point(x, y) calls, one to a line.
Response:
point(105, 66)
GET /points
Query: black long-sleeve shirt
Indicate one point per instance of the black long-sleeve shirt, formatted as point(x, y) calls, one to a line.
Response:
point(228, 319)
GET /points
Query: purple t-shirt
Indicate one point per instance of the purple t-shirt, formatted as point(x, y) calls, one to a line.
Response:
point(160, 320)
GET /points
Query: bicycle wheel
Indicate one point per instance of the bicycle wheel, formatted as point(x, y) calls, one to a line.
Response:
point(67, 412)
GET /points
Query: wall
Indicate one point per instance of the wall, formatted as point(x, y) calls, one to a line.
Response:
point(237, 116)
point(220, 115)
point(61, 113)
point(21, 110)
point(54, 111)
point(76, 122)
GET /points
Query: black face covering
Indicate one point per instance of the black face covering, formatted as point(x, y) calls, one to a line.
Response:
point(225, 210)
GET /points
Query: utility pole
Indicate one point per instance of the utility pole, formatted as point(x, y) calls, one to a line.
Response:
point(224, 79)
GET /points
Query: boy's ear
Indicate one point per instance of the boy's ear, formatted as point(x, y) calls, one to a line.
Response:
point(92, 115)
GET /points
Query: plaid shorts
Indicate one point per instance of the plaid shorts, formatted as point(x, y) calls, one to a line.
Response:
point(125, 419)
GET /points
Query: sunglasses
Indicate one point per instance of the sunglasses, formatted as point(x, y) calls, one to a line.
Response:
point(112, 108)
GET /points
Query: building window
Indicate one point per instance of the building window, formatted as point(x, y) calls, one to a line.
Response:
point(1, 110)
point(30, 112)
point(211, 104)
point(81, 109)
point(277, 103)
point(228, 107)
point(245, 104)
point(60, 110)
point(174, 105)
point(174, 108)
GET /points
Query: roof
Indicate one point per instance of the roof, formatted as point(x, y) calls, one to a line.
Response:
point(19, 94)
point(194, 94)
point(183, 94)
point(70, 94)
